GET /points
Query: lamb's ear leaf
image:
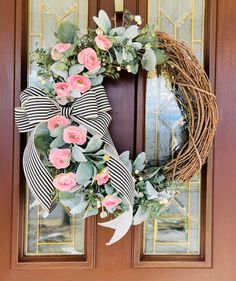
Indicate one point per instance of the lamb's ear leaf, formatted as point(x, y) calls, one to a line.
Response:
point(103, 15)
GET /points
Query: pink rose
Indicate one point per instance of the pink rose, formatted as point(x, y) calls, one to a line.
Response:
point(110, 202)
point(60, 158)
point(102, 177)
point(64, 182)
point(89, 59)
point(59, 49)
point(103, 42)
point(62, 89)
point(77, 135)
point(57, 121)
point(80, 83)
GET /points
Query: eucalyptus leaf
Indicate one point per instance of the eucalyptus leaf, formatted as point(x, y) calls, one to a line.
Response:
point(76, 69)
point(78, 155)
point(151, 192)
point(119, 56)
point(71, 202)
point(139, 162)
point(131, 32)
point(79, 208)
point(67, 32)
point(141, 215)
point(56, 132)
point(136, 45)
point(60, 69)
point(94, 72)
point(160, 56)
point(94, 144)
point(117, 31)
point(109, 189)
point(149, 60)
point(75, 94)
point(84, 172)
point(58, 142)
point(90, 212)
point(96, 80)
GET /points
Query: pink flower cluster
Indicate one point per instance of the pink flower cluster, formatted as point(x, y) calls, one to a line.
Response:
point(86, 57)
point(110, 202)
point(102, 177)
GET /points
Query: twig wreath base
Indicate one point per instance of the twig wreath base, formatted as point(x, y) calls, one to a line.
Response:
point(70, 157)
point(186, 72)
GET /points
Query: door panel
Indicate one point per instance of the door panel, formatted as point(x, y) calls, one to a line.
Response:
point(115, 263)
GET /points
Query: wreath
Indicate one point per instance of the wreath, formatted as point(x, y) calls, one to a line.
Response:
point(70, 157)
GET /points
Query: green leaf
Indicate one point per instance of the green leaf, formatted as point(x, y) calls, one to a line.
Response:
point(76, 69)
point(100, 23)
point(141, 215)
point(119, 56)
point(109, 189)
point(58, 142)
point(84, 172)
point(136, 45)
point(94, 144)
point(67, 32)
point(79, 208)
point(139, 162)
point(104, 17)
point(60, 69)
point(149, 60)
point(94, 72)
point(117, 31)
point(160, 56)
point(78, 155)
point(96, 80)
point(70, 202)
point(151, 192)
point(56, 132)
point(131, 32)
point(90, 212)
point(42, 143)
point(124, 157)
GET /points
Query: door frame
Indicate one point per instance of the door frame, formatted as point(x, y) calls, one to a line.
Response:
point(222, 74)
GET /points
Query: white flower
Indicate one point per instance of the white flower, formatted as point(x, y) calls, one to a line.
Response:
point(148, 46)
point(140, 195)
point(128, 67)
point(140, 178)
point(138, 18)
point(118, 68)
point(103, 214)
point(98, 204)
point(164, 201)
point(139, 22)
point(136, 172)
point(99, 31)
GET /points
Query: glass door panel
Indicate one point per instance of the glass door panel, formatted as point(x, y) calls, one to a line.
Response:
point(59, 233)
point(177, 231)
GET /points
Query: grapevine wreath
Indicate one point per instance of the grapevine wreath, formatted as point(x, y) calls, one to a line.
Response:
point(70, 157)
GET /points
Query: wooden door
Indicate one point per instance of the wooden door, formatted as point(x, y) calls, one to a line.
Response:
point(213, 257)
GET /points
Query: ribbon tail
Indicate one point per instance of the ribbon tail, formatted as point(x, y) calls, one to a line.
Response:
point(122, 181)
point(121, 225)
point(38, 178)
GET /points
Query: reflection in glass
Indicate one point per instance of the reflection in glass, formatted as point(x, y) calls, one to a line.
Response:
point(176, 232)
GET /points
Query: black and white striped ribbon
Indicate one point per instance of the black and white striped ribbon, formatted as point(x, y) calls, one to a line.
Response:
point(89, 110)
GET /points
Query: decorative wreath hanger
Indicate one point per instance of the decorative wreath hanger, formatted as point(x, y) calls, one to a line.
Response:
point(70, 157)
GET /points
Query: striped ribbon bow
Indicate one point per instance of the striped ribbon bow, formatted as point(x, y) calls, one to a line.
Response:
point(89, 110)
